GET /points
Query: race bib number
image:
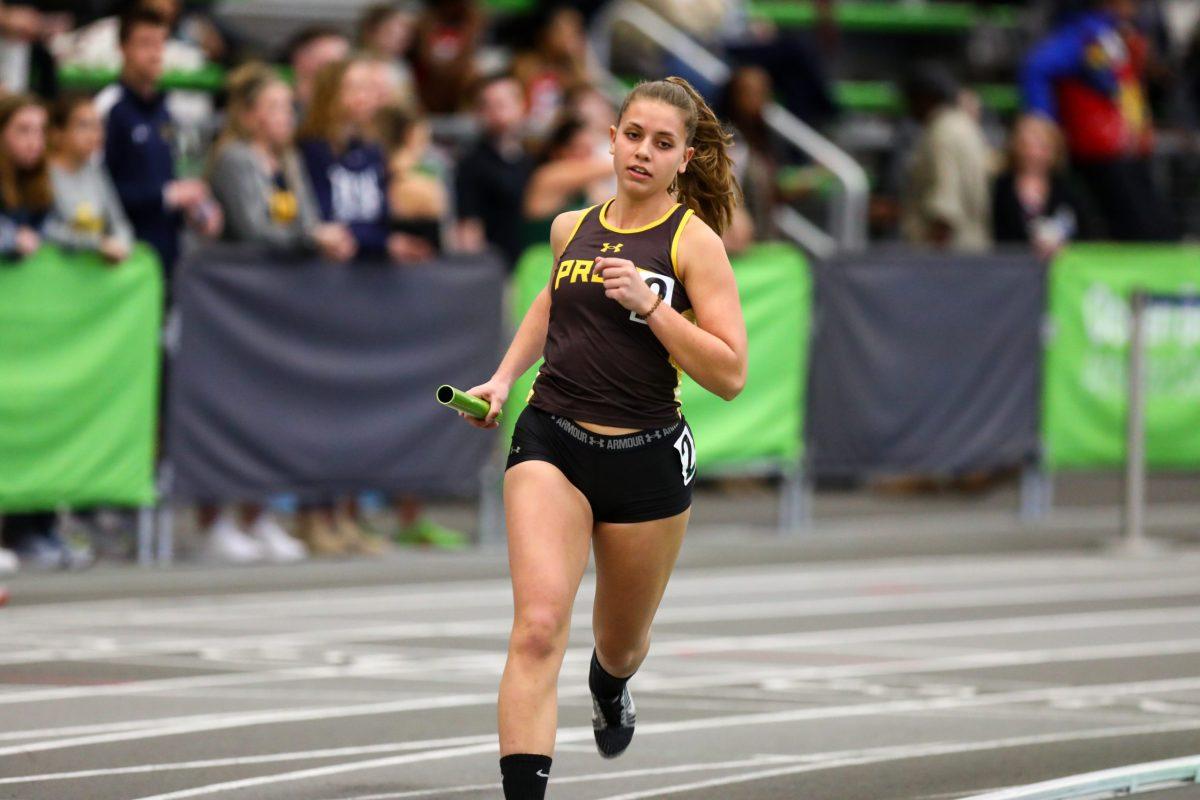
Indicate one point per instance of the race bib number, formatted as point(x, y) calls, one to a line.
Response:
point(663, 286)
point(686, 447)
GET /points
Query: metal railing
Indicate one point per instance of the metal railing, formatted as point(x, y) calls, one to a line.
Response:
point(846, 227)
point(1118, 782)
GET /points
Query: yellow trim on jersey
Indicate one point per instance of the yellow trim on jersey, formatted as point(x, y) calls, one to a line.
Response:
point(654, 224)
point(575, 230)
point(675, 243)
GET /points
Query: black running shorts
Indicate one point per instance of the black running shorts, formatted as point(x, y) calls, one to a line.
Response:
point(634, 477)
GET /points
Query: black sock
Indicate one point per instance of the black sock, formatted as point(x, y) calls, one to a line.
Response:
point(525, 776)
point(603, 685)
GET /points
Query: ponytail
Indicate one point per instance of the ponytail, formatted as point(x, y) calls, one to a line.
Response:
point(707, 186)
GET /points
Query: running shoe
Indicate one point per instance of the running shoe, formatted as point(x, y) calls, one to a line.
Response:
point(429, 533)
point(612, 722)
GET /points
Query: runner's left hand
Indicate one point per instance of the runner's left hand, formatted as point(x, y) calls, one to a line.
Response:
point(623, 283)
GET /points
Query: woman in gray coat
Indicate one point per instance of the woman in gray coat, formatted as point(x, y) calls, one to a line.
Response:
point(257, 175)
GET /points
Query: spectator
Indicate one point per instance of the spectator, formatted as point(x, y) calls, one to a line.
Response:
point(25, 199)
point(1032, 202)
point(558, 57)
point(569, 174)
point(386, 84)
point(419, 206)
point(138, 153)
point(97, 46)
point(307, 52)
point(386, 32)
point(87, 213)
point(756, 151)
point(348, 171)
point(258, 176)
point(587, 102)
point(492, 176)
point(26, 65)
point(448, 35)
point(946, 202)
point(1087, 75)
point(25, 191)
point(417, 199)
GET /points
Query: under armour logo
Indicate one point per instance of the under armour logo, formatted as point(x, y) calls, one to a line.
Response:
point(616, 248)
point(516, 448)
point(593, 440)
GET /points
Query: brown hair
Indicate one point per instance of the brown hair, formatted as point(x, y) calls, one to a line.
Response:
point(22, 188)
point(323, 119)
point(63, 109)
point(244, 85)
point(373, 17)
point(708, 186)
point(393, 123)
point(137, 16)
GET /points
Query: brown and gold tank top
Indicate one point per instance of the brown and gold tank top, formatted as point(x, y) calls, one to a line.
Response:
point(602, 364)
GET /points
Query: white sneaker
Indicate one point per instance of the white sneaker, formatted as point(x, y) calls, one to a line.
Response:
point(277, 544)
point(8, 562)
point(230, 544)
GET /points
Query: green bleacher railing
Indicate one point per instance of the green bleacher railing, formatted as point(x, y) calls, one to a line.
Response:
point(884, 16)
point(887, 17)
point(862, 96)
point(884, 97)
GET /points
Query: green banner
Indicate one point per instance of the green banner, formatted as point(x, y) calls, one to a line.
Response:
point(79, 380)
point(1085, 384)
point(762, 426)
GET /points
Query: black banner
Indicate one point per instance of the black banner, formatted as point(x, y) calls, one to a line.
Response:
point(318, 379)
point(925, 363)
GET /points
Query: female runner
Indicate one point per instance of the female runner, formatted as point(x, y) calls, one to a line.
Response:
point(641, 288)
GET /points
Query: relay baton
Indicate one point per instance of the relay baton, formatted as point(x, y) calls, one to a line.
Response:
point(467, 403)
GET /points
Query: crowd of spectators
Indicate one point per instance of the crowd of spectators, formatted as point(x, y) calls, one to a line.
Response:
point(329, 150)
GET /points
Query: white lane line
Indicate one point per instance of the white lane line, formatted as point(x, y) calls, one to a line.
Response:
point(725, 611)
point(483, 593)
point(575, 734)
point(666, 647)
point(687, 587)
point(907, 752)
point(237, 761)
point(665, 644)
point(229, 721)
point(456, 701)
point(364, 669)
point(708, 766)
point(321, 772)
point(125, 731)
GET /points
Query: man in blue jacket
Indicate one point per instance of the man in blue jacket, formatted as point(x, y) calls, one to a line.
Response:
point(138, 146)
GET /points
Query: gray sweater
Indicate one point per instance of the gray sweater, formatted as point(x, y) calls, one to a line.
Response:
point(256, 209)
point(86, 209)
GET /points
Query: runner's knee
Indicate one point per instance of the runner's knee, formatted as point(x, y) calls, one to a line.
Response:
point(540, 633)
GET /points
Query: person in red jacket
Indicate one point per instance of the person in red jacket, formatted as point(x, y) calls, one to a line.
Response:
point(1087, 76)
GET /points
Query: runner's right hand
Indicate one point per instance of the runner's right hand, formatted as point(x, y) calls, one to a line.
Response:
point(493, 391)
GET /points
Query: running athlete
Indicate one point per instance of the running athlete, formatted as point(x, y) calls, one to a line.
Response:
point(641, 288)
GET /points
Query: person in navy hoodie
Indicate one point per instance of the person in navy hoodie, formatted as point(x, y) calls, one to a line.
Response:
point(347, 169)
point(138, 146)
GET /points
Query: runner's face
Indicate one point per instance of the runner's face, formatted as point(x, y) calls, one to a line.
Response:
point(649, 147)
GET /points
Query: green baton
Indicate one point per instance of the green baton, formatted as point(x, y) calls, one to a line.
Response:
point(467, 403)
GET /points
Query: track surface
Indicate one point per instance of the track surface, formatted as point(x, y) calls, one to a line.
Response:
point(890, 679)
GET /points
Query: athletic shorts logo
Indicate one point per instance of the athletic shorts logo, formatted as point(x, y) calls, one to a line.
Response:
point(686, 447)
point(661, 284)
point(611, 248)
